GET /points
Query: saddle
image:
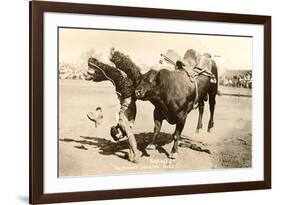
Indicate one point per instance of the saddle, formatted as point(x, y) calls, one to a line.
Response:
point(196, 64)
point(193, 64)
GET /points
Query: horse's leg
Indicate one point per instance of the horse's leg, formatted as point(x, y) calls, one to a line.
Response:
point(176, 136)
point(157, 127)
point(212, 103)
point(201, 111)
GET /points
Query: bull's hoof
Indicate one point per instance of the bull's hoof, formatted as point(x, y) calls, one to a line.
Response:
point(151, 147)
point(211, 125)
point(173, 155)
point(209, 129)
point(198, 130)
point(199, 126)
point(134, 157)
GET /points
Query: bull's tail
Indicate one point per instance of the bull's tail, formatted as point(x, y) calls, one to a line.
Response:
point(214, 71)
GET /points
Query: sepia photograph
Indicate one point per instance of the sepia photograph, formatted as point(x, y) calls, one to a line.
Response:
point(152, 102)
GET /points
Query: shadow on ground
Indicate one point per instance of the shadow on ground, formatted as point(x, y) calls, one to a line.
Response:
point(108, 147)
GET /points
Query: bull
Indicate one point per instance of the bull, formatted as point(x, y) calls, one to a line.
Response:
point(174, 94)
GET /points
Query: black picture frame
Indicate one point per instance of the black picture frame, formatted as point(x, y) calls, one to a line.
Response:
point(37, 9)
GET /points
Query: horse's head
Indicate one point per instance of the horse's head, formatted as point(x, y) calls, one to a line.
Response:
point(95, 70)
point(147, 85)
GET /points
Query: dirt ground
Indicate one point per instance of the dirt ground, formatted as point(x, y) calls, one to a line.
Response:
point(86, 151)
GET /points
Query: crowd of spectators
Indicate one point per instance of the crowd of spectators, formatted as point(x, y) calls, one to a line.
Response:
point(236, 79)
point(71, 71)
point(242, 79)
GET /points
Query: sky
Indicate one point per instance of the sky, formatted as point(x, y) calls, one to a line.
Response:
point(230, 52)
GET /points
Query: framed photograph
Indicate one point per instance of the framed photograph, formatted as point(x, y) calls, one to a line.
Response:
point(139, 102)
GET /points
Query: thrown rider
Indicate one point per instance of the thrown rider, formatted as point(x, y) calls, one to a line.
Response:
point(125, 86)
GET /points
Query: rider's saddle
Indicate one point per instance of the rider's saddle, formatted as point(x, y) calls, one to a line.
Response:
point(194, 64)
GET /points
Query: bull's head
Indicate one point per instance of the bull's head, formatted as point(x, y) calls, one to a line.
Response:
point(93, 72)
point(147, 86)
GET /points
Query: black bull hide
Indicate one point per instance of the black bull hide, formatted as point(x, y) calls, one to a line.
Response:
point(173, 95)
